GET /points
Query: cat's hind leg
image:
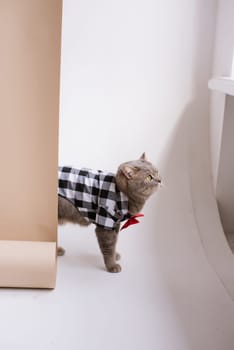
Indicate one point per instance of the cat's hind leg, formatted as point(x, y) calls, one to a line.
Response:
point(60, 251)
point(117, 256)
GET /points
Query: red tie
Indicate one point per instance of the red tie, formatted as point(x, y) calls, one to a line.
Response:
point(132, 221)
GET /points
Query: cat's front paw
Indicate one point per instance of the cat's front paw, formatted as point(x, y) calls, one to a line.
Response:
point(114, 269)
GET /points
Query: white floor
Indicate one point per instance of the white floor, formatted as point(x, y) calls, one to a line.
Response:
point(167, 297)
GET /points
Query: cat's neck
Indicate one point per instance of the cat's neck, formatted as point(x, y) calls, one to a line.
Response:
point(135, 205)
point(135, 202)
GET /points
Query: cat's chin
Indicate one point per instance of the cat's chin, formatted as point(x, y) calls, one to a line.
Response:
point(155, 189)
point(148, 192)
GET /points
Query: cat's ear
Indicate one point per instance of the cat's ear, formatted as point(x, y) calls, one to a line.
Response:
point(128, 171)
point(143, 156)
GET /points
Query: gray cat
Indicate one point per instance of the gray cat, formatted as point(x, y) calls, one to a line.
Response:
point(105, 199)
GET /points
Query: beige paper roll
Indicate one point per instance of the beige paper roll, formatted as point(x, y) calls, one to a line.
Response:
point(27, 264)
point(30, 36)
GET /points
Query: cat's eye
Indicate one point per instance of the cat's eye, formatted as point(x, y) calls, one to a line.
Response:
point(149, 178)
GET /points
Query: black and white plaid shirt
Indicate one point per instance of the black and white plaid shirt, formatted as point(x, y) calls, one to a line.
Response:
point(95, 194)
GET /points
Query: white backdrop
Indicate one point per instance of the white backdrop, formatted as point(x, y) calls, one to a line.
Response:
point(129, 70)
point(134, 78)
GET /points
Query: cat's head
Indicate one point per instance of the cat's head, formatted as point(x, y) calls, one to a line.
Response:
point(138, 179)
